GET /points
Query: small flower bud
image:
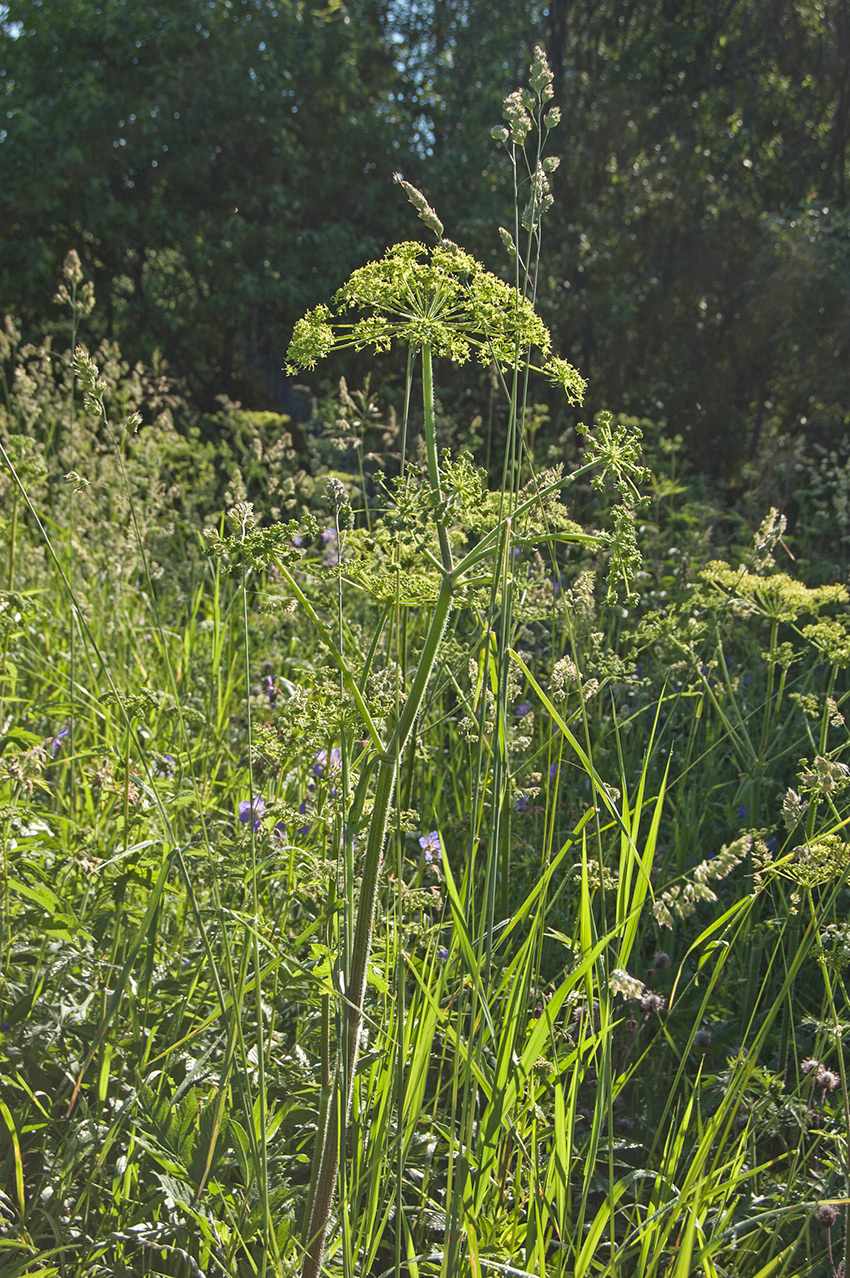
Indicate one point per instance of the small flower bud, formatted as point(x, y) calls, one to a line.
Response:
point(826, 1215)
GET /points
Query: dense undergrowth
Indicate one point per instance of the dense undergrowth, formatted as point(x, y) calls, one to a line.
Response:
point(383, 891)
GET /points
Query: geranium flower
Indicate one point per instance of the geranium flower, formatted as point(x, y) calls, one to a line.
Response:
point(431, 846)
point(250, 811)
point(327, 762)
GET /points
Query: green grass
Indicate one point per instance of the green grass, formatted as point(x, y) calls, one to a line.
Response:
point(382, 895)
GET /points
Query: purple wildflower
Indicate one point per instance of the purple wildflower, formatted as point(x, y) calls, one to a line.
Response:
point(271, 690)
point(522, 709)
point(554, 769)
point(166, 766)
point(279, 830)
point(57, 741)
point(305, 829)
point(331, 761)
point(250, 810)
point(331, 540)
point(431, 846)
point(521, 804)
point(443, 954)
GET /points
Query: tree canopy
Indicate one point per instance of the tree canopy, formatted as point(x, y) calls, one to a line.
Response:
point(212, 162)
point(221, 164)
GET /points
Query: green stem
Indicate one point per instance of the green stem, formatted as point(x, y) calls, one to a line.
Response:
point(13, 537)
point(72, 633)
point(388, 764)
point(845, 1095)
point(354, 990)
point(13, 542)
point(490, 540)
point(431, 453)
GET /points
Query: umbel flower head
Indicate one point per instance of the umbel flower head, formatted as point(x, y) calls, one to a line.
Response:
point(440, 297)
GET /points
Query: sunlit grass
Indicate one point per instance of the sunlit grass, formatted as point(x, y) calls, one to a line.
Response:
point(380, 894)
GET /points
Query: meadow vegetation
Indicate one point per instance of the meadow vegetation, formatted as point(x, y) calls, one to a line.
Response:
point(409, 867)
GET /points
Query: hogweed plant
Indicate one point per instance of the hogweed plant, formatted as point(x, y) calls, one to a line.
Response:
point(438, 303)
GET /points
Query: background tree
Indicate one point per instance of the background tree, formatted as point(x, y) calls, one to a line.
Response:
point(699, 132)
point(213, 163)
point(697, 252)
point(220, 164)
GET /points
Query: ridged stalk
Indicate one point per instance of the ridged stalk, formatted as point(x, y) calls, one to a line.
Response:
point(354, 989)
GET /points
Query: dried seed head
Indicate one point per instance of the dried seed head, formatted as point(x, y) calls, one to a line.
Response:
point(809, 1064)
point(336, 492)
point(702, 1039)
point(827, 1079)
point(826, 1215)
